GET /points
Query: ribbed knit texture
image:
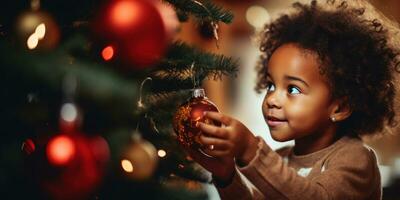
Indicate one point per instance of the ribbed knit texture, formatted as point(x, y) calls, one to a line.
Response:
point(347, 169)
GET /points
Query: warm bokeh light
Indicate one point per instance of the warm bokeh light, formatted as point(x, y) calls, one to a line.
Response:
point(161, 153)
point(60, 150)
point(34, 38)
point(127, 165)
point(124, 13)
point(69, 112)
point(32, 41)
point(107, 53)
point(40, 31)
point(257, 16)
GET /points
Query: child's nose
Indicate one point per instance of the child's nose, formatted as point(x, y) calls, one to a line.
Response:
point(273, 100)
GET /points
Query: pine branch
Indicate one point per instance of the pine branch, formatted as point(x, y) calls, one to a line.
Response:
point(176, 161)
point(160, 101)
point(97, 85)
point(192, 187)
point(212, 13)
point(176, 73)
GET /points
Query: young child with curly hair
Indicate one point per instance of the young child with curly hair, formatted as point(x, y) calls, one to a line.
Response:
point(329, 72)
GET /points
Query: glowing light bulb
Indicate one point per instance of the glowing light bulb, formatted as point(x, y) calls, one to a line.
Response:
point(107, 53)
point(40, 31)
point(32, 41)
point(69, 112)
point(60, 150)
point(161, 153)
point(257, 16)
point(127, 166)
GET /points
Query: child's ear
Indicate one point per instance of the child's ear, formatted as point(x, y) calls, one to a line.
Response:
point(341, 110)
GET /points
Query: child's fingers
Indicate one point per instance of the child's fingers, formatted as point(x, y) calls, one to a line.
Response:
point(218, 117)
point(214, 131)
point(199, 157)
point(216, 153)
point(213, 143)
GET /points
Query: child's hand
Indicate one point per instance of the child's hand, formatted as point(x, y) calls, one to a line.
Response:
point(222, 168)
point(232, 140)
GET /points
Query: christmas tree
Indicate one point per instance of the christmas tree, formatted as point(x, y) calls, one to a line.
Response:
point(89, 90)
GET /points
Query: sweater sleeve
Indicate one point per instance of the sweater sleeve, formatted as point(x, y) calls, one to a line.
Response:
point(239, 188)
point(350, 174)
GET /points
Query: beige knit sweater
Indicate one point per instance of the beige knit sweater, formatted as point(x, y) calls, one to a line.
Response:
point(343, 171)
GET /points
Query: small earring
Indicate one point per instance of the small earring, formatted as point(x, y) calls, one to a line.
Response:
point(333, 119)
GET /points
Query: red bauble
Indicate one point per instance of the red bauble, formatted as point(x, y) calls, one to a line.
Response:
point(28, 146)
point(77, 165)
point(136, 28)
point(188, 115)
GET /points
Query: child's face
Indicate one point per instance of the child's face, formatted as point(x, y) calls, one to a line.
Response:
point(298, 102)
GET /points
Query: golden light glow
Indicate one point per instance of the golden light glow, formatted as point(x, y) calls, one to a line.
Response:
point(161, 153)
point(257, 16)
point(32, 41)
point(40, 31)
point(127, 165)
point(39, 34)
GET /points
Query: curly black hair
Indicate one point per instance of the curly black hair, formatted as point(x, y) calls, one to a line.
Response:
point(354, 56)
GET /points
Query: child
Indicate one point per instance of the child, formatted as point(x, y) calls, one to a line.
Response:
point(329, 76)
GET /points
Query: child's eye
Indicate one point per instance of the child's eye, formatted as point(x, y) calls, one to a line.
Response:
point(270, 87)
point(293, 90)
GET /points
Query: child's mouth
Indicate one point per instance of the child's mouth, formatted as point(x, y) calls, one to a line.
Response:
point(273, 121)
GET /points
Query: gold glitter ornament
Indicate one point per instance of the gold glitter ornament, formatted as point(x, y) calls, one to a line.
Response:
point(189, 114)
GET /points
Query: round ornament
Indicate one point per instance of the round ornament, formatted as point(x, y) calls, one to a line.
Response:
point(37, 30)
point(189, 114)
point(28, 146)
point(77, 165)
point(136, 28)
point(140, 160)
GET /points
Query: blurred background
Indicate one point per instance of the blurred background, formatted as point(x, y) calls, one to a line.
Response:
point(237, 96)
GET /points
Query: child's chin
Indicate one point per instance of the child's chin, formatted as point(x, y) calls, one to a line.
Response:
point(280, 137)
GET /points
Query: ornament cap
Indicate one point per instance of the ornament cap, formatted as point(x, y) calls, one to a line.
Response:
point(198, 92)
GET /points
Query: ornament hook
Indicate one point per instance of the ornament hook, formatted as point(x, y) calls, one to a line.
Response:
point(140, 102)
point(35, 5)
point(194, 75)
point(214, 24)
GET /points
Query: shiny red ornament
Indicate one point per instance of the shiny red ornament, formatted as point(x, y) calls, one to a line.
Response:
point(28, 147)
point(81, 163)
point(136, 28)
point(189, 114)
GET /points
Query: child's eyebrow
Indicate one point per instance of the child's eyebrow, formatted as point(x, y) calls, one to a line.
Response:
point(296, 79)
point(269, 76)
